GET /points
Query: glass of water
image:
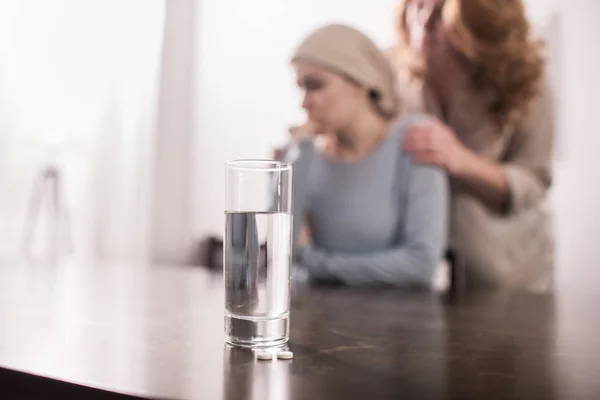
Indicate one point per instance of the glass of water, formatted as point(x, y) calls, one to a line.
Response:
point(257, 253)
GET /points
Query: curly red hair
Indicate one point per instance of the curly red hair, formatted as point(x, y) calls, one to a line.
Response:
point(493, 39)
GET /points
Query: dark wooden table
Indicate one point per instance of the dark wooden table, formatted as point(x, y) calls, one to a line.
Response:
point(89, 331)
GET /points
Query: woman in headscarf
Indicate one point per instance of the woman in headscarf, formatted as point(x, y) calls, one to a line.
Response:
point(364, 213)
point(475, 65)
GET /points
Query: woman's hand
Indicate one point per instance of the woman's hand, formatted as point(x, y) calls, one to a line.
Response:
point(435, 143)
point(307, 129)
point(326, 142)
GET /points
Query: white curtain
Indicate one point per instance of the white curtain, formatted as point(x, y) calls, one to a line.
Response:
point(78, 89)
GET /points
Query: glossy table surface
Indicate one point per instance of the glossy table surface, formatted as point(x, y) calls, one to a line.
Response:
point(158, 332)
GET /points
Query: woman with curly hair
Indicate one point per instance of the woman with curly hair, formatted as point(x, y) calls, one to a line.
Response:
point(475, 65)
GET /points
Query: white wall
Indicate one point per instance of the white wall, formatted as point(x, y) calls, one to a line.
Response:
point(577, 191)
point(247, 99)
point(171, 240)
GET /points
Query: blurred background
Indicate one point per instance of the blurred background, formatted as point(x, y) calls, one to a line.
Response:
point(116, 117)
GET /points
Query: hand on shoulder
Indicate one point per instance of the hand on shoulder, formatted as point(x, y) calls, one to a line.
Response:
point(435, 143)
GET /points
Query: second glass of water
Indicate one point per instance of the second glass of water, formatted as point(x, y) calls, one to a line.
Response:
point(257, 253)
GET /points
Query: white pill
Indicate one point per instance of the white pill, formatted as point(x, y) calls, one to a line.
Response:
point(264, 356)
point(285, 355)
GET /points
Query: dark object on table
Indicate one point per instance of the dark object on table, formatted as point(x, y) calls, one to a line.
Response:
point(213, 253)
point(458, 280)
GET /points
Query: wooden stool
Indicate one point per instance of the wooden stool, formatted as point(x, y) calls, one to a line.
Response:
point(47, 186)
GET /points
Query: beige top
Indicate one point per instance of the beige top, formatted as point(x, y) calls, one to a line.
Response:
point(513, 248)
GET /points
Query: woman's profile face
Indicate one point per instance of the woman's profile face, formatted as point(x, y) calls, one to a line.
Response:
point(426, 33)
point(330, 100)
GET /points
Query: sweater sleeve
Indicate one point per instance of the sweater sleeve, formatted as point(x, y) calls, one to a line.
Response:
point(528, 162)
point(413, 261)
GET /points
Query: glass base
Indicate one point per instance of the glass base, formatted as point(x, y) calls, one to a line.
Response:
point(256, 332)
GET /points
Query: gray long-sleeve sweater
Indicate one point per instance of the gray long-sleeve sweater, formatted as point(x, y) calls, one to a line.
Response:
point(380, 220)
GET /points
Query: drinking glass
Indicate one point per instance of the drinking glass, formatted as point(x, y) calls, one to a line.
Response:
point(257, 252)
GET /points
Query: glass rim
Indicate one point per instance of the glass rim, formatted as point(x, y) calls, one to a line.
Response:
point(258, 165)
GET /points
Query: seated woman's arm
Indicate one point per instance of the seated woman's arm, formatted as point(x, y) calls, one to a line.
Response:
point(414, 260)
